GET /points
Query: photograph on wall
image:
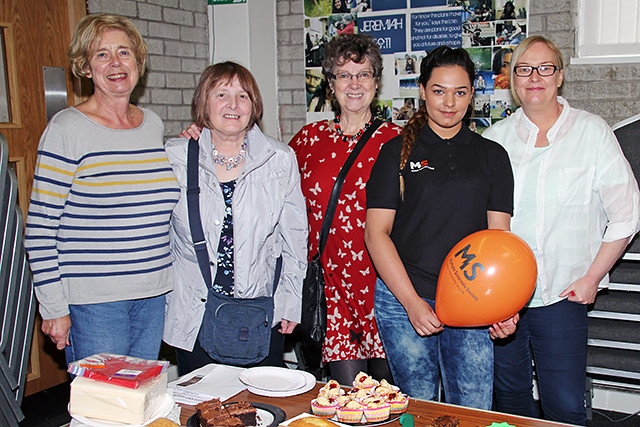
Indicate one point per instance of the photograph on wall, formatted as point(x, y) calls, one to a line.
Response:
point(319, 96)
point(501, 105)
point(404, 108)
point(408, 87)
point(475, 34)
point(382, 108)
point(481, 106)
point(500, 67)
point(510, 32)
point(483, 82)
point(313, 8)
point(481, 58)
point(316, 36)
point(510, 9)
point(407, 63)
point(345, 23)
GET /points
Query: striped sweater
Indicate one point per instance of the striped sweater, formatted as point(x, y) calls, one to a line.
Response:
point(98, 223)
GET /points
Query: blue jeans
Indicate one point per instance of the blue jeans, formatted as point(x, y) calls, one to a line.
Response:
point(130, 327)
point(555, 337)
point(459, 359)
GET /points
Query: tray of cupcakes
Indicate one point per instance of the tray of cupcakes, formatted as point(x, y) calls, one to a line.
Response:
point(368, 402)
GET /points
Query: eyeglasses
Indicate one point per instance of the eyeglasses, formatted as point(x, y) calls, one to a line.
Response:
point(362, 76)
point(527, 70)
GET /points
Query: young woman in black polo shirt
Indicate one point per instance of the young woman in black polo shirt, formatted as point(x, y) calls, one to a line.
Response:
point(430, 187)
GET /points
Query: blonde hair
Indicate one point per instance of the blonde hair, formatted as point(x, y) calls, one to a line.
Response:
point(89, 31)
point(522, 47)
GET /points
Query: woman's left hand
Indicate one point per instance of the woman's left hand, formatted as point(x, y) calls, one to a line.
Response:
point(287, 327)
point(192, 131)
point(505, 328)
point(582, 291)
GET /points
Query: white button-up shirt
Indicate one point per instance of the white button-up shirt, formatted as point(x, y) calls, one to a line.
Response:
point(585, 194)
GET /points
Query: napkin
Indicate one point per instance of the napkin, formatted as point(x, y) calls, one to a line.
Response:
point(205, 383)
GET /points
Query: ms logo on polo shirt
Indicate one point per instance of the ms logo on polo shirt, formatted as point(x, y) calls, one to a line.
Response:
point(421, 165)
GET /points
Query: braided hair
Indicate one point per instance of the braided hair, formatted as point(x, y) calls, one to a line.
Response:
point(442, 56)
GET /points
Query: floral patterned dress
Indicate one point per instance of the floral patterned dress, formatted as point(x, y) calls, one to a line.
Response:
point(224, 280)
point(349, 275)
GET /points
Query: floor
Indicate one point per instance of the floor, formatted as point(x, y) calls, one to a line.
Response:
point(49, 409)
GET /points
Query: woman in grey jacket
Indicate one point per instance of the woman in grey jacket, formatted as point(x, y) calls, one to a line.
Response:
point(252, 211)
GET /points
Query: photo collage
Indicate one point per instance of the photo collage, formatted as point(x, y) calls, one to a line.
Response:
point(405, 31)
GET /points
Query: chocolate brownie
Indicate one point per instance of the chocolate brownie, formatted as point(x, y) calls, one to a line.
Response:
point(211, 413)
point(244, 411)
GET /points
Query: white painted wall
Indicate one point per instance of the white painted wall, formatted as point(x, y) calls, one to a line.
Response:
point(246, 33)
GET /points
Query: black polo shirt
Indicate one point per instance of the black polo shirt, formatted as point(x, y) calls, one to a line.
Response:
point(450, 184)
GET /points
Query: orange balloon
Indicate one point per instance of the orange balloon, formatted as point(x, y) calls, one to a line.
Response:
point(486, 278)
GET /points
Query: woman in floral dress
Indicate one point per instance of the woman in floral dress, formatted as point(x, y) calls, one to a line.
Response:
point(353, 67)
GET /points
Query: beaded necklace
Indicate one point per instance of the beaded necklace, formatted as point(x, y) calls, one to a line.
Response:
point(355, 137)
point(231, 161)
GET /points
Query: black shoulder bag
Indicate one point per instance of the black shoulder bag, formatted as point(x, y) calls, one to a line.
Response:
point(313, 325)
point(234, 331)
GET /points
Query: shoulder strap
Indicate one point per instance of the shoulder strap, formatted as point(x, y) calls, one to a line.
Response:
point(337, 186)
point(193, 210)
point(195, 220)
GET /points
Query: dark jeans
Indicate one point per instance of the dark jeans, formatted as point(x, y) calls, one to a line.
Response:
point(555, 337)
point(191, 360)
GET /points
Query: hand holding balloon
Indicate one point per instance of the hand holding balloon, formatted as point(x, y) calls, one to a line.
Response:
point(485, 279)
point(505, 328)
point(423, 318)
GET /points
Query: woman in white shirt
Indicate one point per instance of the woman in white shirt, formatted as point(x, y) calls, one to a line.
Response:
point(576, 203)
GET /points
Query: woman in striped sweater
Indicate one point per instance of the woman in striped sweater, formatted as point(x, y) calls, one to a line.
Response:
point(103, 193)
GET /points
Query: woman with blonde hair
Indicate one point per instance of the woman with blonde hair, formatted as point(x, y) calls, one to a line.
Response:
point(103, 192)
point(577, 205)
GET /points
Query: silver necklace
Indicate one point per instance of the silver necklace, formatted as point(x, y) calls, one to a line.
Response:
point(231, 161)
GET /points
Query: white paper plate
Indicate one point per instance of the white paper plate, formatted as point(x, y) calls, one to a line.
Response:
point(310, 382)
point(273, 379)
point(163, 410)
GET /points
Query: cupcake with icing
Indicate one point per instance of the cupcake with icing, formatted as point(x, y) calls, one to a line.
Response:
point(364, 380)
point(324, 406)
point(398, 401)
point(358, 393)
point(384, 388)
point(351, 412)
point(331, 389)
point(376, 409)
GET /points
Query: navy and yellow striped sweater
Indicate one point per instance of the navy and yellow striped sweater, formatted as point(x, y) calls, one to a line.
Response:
point(98, 222)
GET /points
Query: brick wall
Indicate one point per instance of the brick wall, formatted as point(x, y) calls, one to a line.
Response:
point(176, 33)
point(611, 91)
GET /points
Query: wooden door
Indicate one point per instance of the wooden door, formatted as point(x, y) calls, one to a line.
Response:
point(36, 35)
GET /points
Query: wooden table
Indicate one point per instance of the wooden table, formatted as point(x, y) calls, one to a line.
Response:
point(423, 411)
